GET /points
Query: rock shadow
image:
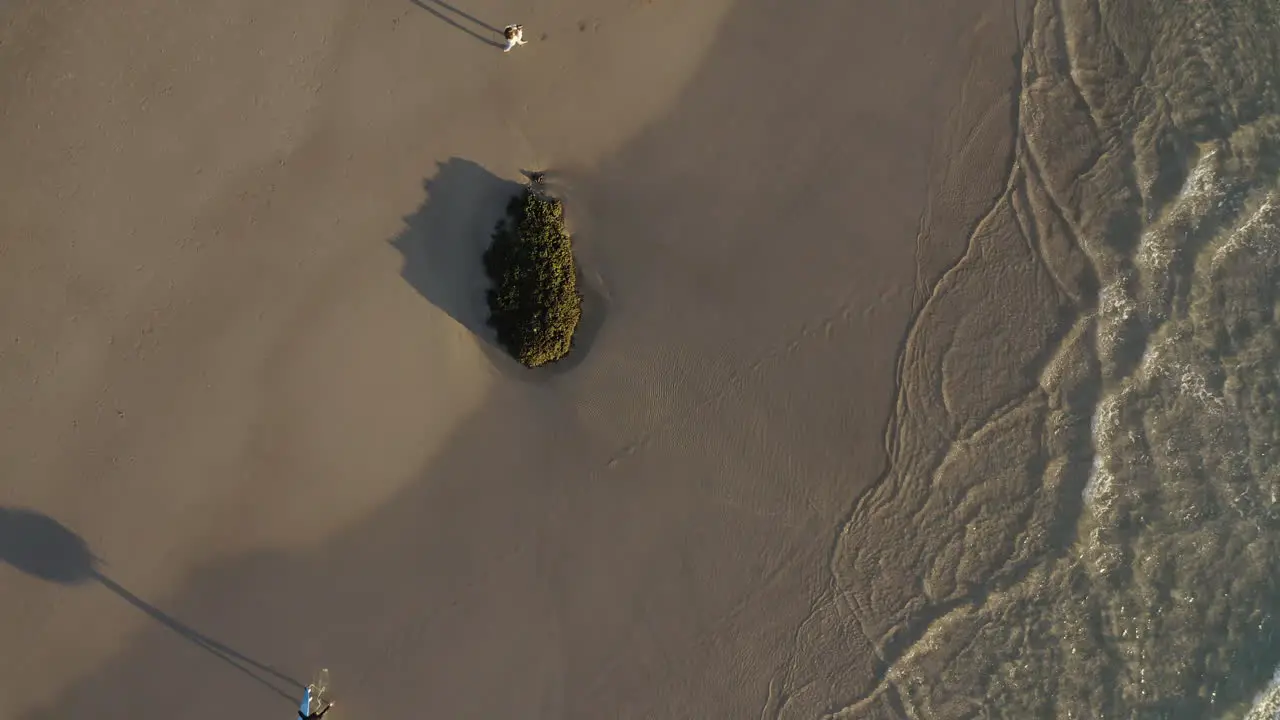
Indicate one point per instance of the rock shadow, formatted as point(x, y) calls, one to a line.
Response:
point(444, 240)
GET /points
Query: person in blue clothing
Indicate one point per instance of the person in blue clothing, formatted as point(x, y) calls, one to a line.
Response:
point(315, 715)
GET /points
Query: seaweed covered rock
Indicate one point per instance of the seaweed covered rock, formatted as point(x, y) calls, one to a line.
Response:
point(534, 304)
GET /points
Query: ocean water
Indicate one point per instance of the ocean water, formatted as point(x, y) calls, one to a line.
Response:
point(1082, 515)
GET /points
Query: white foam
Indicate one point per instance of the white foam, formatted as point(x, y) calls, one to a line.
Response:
point(1258, 233)
point(1201, 193)
point(1099, 489)
point(1266, 706)
point(1115, 307)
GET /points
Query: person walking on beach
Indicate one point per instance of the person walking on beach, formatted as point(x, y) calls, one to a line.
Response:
point(315, 715)
point(514, 35)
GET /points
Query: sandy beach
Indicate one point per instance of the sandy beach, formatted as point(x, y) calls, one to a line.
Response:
point(253, 416)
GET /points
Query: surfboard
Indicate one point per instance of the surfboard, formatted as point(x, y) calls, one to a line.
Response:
point(305, 707)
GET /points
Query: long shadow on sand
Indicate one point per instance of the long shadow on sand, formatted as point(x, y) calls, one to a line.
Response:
point(439, 9)
point(42, 547)
point(443, 245)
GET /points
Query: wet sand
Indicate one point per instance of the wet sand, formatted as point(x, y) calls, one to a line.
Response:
point(245, 360)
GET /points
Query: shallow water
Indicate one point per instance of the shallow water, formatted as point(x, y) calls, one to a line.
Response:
point(1086, 445)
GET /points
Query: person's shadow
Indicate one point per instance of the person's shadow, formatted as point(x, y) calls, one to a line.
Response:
point(443, 10)
point(39, 546)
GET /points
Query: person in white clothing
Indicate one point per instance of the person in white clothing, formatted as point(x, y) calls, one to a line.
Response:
point(514, 35)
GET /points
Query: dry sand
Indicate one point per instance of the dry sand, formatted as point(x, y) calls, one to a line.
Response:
point(244, 358)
